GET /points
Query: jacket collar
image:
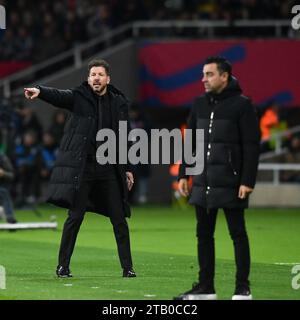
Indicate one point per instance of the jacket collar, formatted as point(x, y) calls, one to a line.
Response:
point(117, 95)
point(232, 89)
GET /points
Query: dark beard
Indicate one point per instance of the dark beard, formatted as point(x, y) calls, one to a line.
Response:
point(99, 91)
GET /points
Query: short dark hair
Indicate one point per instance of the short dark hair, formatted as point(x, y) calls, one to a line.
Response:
point(99, 63)
point(223, 65)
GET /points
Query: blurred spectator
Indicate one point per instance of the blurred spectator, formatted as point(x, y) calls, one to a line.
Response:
point(6, 177)
point(269, 122)
point(177, 199)
point(132, 10)
point(73, 30)
point(28, 164)
point(9, 120)
point(293, 156)
point(48, 155)
point(8, 46)
point(139, 192)
point(100, 22)
point(58, 124)
point(51, 45)
point(24, 44)
point(28, 121)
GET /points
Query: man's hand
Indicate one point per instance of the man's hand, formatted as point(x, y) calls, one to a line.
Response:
point(2, 173)
point(244, 191)
point(183, 187)
point(31, 93)
point(130, 180)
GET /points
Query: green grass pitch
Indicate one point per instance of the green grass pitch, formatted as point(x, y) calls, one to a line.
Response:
point(164, 253)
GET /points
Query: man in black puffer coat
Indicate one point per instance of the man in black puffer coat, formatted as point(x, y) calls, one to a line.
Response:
point(78, 182)
point(231, 152)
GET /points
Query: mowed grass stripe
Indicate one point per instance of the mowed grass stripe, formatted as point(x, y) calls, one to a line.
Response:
point(159, 275)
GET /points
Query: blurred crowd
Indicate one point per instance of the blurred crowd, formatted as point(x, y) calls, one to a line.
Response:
point(30, 149)
point(38, 30)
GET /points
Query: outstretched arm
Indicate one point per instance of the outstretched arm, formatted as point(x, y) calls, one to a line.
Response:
point(58, 98)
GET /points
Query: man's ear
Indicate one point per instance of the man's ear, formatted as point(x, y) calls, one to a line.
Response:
point(108, 80)
point(225, 76)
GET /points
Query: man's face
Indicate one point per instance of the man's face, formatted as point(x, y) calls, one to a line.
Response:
point(48, 139)
point(29, 139)
point(214, 82)
point(98, 80)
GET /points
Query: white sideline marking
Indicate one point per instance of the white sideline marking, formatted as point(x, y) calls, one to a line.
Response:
point(29, 225)
point(68, 285)
point(149, 295)
point(286, 263)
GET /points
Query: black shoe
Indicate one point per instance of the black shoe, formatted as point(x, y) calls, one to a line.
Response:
point(198, 292)
point(242, 292)
point(11, 220)
point(128, 273)
point(63, 272)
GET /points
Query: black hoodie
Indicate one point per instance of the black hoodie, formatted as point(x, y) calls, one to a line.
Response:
point(232, 89)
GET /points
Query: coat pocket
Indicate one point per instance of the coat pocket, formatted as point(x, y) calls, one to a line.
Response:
point(231, 161)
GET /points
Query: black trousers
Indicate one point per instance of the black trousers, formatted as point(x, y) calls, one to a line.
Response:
point(206, 222)
point(29, 178)
point(109, 189)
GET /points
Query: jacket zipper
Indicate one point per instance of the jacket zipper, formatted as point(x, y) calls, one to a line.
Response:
point(207, 189)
